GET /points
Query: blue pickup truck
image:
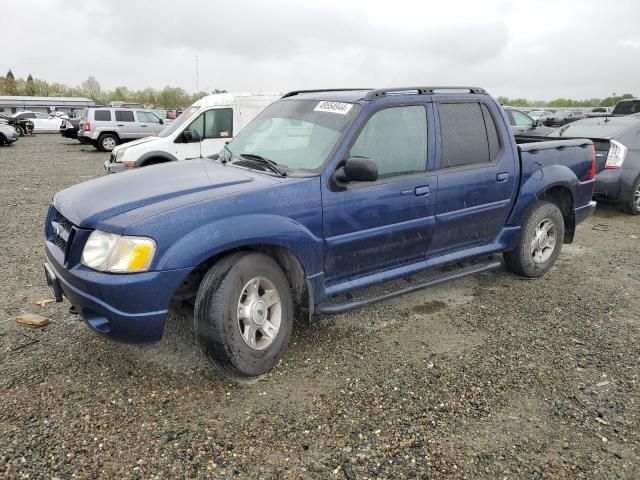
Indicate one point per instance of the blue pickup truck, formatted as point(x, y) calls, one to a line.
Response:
point(325, 193)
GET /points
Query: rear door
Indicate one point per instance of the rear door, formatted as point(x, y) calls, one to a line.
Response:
point(126, 125)
point(371, 226)
point(476, 175)
point(218, 129)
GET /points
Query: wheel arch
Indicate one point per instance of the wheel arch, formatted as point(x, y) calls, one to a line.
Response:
point(561, 196)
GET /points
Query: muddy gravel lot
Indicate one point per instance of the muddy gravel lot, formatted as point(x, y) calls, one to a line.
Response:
point(490, 377)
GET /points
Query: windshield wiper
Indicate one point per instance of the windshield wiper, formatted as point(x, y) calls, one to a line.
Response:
point(270, 164)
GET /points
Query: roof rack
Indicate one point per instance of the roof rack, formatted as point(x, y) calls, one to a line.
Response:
point(419, 91)
point(297, 92)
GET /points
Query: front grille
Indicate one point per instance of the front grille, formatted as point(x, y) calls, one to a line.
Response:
point(61, 229)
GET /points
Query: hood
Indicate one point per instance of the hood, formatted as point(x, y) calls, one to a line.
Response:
point(135, 142)
point(120, 200)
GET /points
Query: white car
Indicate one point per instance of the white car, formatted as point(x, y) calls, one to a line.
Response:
point(42, 123)
point(200, 131)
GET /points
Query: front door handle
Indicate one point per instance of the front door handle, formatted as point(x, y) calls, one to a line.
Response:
point(502, 177)
point(143, 126)
point(423, 190)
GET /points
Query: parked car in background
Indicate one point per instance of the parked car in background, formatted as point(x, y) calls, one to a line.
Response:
point(42, 123)
point(200, 131)
point(59, 114)
point(617, 144)
point(626, 107)
point(8, 134)
point(523, 124)
point(106, 127)
point(22, 126)
point(538, 114)
point(562, 117)
point(598, 112)
point(69, 127)
point(323, 194)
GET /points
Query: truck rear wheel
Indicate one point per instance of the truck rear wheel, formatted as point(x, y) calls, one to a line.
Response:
point(633, 205)
point(107, 142)
point(540, 241)
point(244, 314)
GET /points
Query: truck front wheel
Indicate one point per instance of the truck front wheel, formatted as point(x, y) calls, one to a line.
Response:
point(540, 241)
point(244, 314)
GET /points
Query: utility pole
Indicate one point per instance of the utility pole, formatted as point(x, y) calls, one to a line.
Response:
point(197, 76)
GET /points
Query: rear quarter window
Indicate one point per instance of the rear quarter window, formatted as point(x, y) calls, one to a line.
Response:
point(102, 115)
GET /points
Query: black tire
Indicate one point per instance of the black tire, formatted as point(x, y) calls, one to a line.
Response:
point(632, 206)
point(107, 142)
point(2, 139)
point(521, 260)
point(216, 314)
point(20, 130)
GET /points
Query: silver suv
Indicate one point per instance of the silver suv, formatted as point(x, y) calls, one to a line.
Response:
point(106, 127)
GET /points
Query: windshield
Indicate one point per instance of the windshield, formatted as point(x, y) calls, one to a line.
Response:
point(178, 122)
point(296, 134)
point(627, 107)
point(590, 130)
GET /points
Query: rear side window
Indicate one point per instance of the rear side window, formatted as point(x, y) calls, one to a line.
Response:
point(492, 133)
point(218, 123)
point(102, 115)
point(124, 116)
point(396, 139)
point(464, 134)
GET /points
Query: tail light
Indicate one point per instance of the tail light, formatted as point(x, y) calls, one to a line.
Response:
point(591, 174)
point(87, 127)
point(616, 156)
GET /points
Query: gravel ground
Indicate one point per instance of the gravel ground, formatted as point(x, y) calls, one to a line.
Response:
point(490, 377)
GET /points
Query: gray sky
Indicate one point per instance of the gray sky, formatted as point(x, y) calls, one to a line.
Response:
point(536, 49)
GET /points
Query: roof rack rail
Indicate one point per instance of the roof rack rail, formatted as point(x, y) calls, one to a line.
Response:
point(419, 91)
point(297, 92)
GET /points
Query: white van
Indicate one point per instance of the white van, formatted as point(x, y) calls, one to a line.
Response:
point(200, 131)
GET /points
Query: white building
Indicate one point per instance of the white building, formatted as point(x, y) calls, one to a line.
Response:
point(12, 104)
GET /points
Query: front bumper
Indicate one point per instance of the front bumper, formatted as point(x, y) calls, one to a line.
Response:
point(114, 167)
point(129, 308)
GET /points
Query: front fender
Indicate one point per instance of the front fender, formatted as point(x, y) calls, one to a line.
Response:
point(242, 231)
point(539, 180)
point(155, 154)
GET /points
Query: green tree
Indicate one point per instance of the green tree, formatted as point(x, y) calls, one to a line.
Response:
point(30, 87)
point(9, 85)
point(91, 88)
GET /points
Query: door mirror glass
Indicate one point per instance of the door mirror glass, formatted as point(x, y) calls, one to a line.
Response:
point(190, 137)
point(361, 169)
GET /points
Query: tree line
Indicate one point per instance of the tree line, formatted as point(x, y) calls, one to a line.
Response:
point(168, 98)
point(565, 102)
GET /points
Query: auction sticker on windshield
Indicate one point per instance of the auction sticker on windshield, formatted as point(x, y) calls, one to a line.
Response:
point(333, 107)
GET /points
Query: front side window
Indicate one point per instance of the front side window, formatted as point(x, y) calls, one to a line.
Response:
point(521, 119)
point(197, 127)
point(396, 140)
point(296, 134)
point(218, 123)
point(178, 122)
point(124, 116)
point(147, 117)
point(463, 135)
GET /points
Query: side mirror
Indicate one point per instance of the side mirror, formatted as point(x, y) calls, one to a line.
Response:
point(189, 137)
point(161, 121)
point(360, 169)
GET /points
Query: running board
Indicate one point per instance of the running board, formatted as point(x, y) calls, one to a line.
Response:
point(352, 304)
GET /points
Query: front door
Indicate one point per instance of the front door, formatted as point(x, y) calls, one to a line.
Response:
point(218, 129)
point(375, 225)
point(476, 176)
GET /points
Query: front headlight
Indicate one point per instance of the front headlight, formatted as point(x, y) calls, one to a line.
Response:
point(107, 252)
point(119, 154)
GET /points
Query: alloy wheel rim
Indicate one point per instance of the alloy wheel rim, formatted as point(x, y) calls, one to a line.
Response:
point(259, 313)
point(544, 241)
point(636, 197)
point(109, 143)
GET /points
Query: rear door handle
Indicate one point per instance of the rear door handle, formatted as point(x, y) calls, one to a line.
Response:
point(423, 190)
point(120, 125)
point(143, 126)
point(502, 177)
